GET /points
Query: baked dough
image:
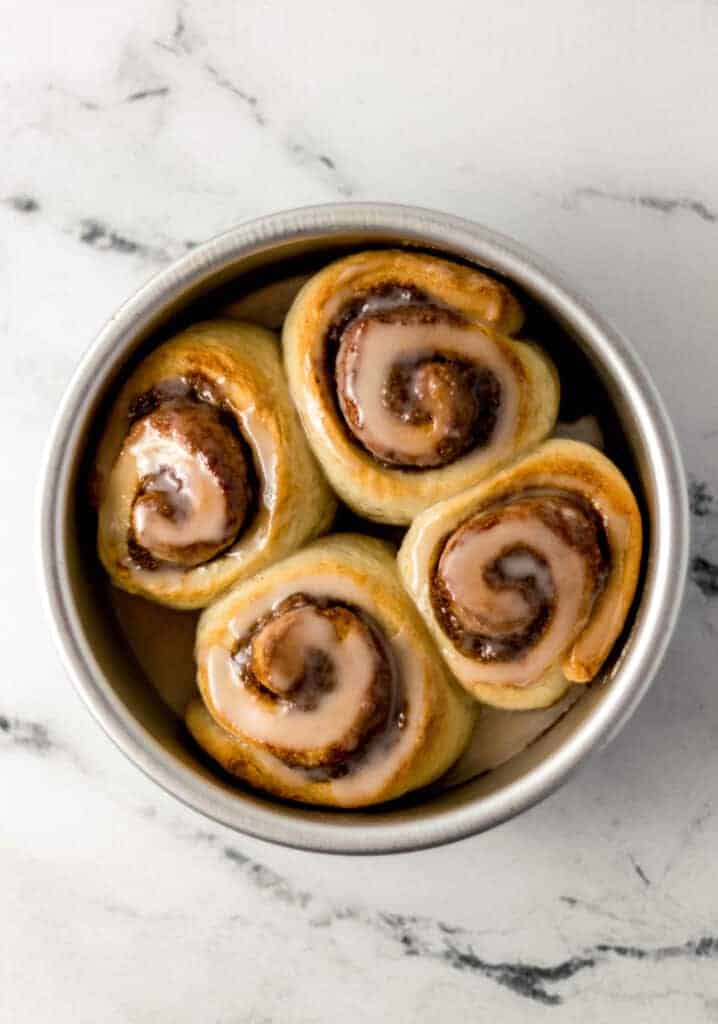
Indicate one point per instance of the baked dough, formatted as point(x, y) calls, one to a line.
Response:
point(203, 475)
point(407, 382)
point(526, 579)
point(320, 683)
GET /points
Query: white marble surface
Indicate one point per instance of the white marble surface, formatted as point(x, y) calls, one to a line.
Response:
point(129, 131)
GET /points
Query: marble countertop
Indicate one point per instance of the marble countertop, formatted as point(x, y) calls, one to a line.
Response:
point(130, 131)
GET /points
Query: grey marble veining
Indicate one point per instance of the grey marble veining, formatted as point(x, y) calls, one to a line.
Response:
point(659, 204)
point(131, 133)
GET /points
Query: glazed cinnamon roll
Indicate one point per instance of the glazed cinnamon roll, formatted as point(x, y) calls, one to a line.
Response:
point(203, 474)
point(526, 580)
point(320, 683)
point(408, 385)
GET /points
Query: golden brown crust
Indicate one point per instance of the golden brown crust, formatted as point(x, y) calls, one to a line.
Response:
point(241, 363)
point(384, 492)
point(439, 717)
point(560, 466)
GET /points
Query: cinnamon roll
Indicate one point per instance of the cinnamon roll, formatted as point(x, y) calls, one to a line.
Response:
point(203, 474)
point(406, 381)
point(319, 682)
point(526, 579)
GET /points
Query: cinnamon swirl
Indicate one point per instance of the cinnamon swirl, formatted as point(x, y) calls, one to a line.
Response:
point(407, 382)
point(526, 579)
point(203, 474)
point(320, 683)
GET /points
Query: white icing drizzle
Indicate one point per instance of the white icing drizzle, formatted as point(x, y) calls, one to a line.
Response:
point(519, 565)
point(280, 724)
point(605, 616)
point(125, 478)
point(193, 492)
point(377, 762)
point(563, 578)
point(384, 345)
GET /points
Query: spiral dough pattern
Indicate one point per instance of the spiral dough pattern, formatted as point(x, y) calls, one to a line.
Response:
point(526, 580)
point(408, 383)
point(203, 474)
point(320, 683)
